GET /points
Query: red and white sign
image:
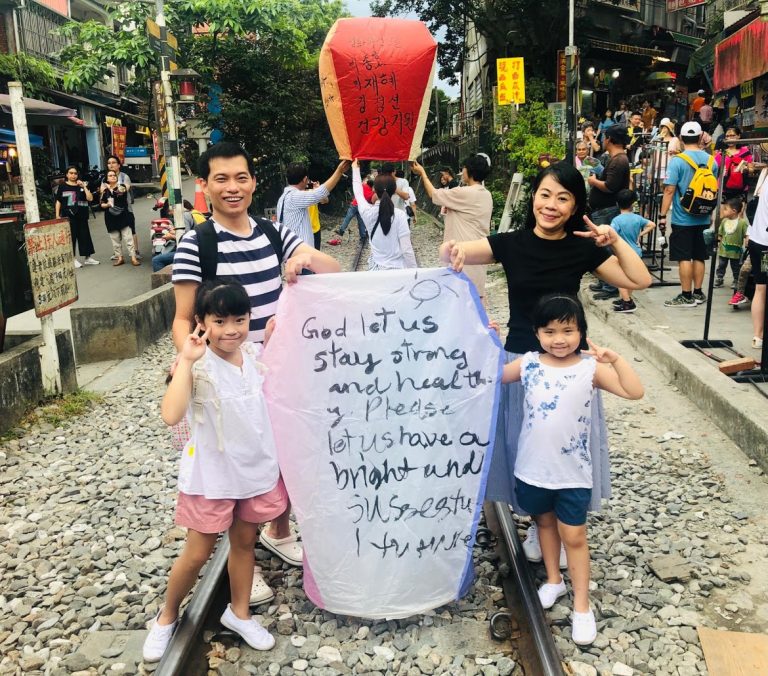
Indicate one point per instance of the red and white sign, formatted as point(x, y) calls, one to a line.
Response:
point(51, 267)
point(376, 79)
point(118, 142)
point(677, 5)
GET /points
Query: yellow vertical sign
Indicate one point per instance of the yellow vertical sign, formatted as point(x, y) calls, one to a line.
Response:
point(510, 78)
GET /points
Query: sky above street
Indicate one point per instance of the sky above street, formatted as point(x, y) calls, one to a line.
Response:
point(363, 8)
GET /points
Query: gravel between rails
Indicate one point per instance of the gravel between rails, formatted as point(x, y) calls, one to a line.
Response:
point(86, 520)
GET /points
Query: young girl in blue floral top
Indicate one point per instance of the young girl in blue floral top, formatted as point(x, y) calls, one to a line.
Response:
point(553, 468)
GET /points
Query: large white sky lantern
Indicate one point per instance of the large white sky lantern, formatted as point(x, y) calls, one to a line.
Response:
point(382, 390)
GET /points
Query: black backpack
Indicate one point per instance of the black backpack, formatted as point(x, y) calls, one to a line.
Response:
point(208, 247)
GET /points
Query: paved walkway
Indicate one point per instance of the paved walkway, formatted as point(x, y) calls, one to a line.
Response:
point(104, 283)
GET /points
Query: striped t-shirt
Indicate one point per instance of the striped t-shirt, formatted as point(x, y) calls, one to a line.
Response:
point(250, 260)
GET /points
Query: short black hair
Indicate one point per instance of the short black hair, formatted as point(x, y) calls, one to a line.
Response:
point(733, 128)
point(296, 173)
point(116, 158)
point(736, 203)
point(562, 308)
point(221, 298)
point(477, 167)
point(226, 150)
point(400, 173)
point(635, 112)
point(387, 168)
point(187, 205)
point(625, 198)
point(447, 170)
point(571, 179)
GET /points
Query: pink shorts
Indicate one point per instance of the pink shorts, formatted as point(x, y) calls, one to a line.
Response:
point(215, 515)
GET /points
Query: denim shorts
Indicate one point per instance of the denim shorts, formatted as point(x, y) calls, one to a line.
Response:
point(569, 504)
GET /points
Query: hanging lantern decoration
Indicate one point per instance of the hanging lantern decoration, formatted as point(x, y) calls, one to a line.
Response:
point(376, 79)
point(187, 90)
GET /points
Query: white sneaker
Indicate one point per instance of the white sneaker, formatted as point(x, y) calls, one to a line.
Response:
point(114, 257)
point(250, 630)
point(90, 261)
point(260, 590)
point(78, 264)
point(532, 548)
point(583, 628)
point(757, 343)
point(157, 640)
point(549, 593)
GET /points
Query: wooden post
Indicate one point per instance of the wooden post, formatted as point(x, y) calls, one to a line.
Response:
point(49, 354)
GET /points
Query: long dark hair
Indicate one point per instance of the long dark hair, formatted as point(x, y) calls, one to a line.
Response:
point(568, 177)
point(384, 187)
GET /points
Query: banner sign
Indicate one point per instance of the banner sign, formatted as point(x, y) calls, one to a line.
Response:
point(51, 267)
point(562, 76)
point(376, 80)
point(118, 142)
point(382, 391)
point(761, 104)
point(510, 75)
point(677, 5)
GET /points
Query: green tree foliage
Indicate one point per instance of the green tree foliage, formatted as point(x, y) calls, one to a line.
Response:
point(262, 54)
point(438, 113)
point(35, 73)
point(533, 30)
point(529, 136)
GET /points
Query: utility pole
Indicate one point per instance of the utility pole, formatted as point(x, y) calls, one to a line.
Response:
point(171, 144)
point(572, 81)
point(49, 353)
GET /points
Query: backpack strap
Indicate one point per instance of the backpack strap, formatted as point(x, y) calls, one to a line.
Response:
point(272, 234)
point(208, 245)
point(207, 249)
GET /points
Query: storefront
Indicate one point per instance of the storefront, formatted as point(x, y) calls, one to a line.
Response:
point(741, 74)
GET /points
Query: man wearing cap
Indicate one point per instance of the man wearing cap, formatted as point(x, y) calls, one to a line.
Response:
point(602, 195)
point(686, 242)
point(696, 104)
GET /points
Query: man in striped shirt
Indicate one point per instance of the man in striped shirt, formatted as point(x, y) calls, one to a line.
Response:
point(293, 203)
point(245, 253)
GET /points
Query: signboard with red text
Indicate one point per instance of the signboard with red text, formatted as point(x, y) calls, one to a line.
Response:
point(51, 265)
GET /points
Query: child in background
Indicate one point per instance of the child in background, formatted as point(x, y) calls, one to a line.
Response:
point(631, 227)
point(732, 238)
point(553, 469)
point(228, 475)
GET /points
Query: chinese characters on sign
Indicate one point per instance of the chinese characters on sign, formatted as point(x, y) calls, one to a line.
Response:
point(510, 76)
point(51, 267)
point(561, 76)
point(118, 142)
point(385, 448)
point(375, 77)
point(676, 5)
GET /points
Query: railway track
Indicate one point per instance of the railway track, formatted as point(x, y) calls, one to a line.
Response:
point(520, 626)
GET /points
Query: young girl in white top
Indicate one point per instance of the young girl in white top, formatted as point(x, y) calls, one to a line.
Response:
point(387, 227)
point(228, 475)
point(553, 470)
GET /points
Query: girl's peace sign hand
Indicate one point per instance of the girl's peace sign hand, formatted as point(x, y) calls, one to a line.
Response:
point(602, 355)
point(604, 235)
point(195, 345)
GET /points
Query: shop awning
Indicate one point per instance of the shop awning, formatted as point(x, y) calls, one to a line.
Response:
point(703, 58)
point(742, 57)
point(42, 112)
point(9, 136)
point(685, 40)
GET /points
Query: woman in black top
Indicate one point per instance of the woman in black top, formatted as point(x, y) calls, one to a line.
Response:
point(550, 255)
point(114, 201)
point(71, 201)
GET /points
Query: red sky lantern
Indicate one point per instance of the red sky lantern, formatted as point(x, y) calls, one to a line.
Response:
point(376, 79)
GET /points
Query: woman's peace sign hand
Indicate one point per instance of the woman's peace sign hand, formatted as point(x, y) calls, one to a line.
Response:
point(195, 345)
point(604, 235)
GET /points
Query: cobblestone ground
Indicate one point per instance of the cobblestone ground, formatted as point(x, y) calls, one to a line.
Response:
point(86, 521)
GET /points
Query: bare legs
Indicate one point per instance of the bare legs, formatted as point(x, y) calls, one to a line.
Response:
point(551, 533)
point(691, 275)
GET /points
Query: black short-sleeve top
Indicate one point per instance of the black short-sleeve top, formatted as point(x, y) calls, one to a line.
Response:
point(536, 267)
